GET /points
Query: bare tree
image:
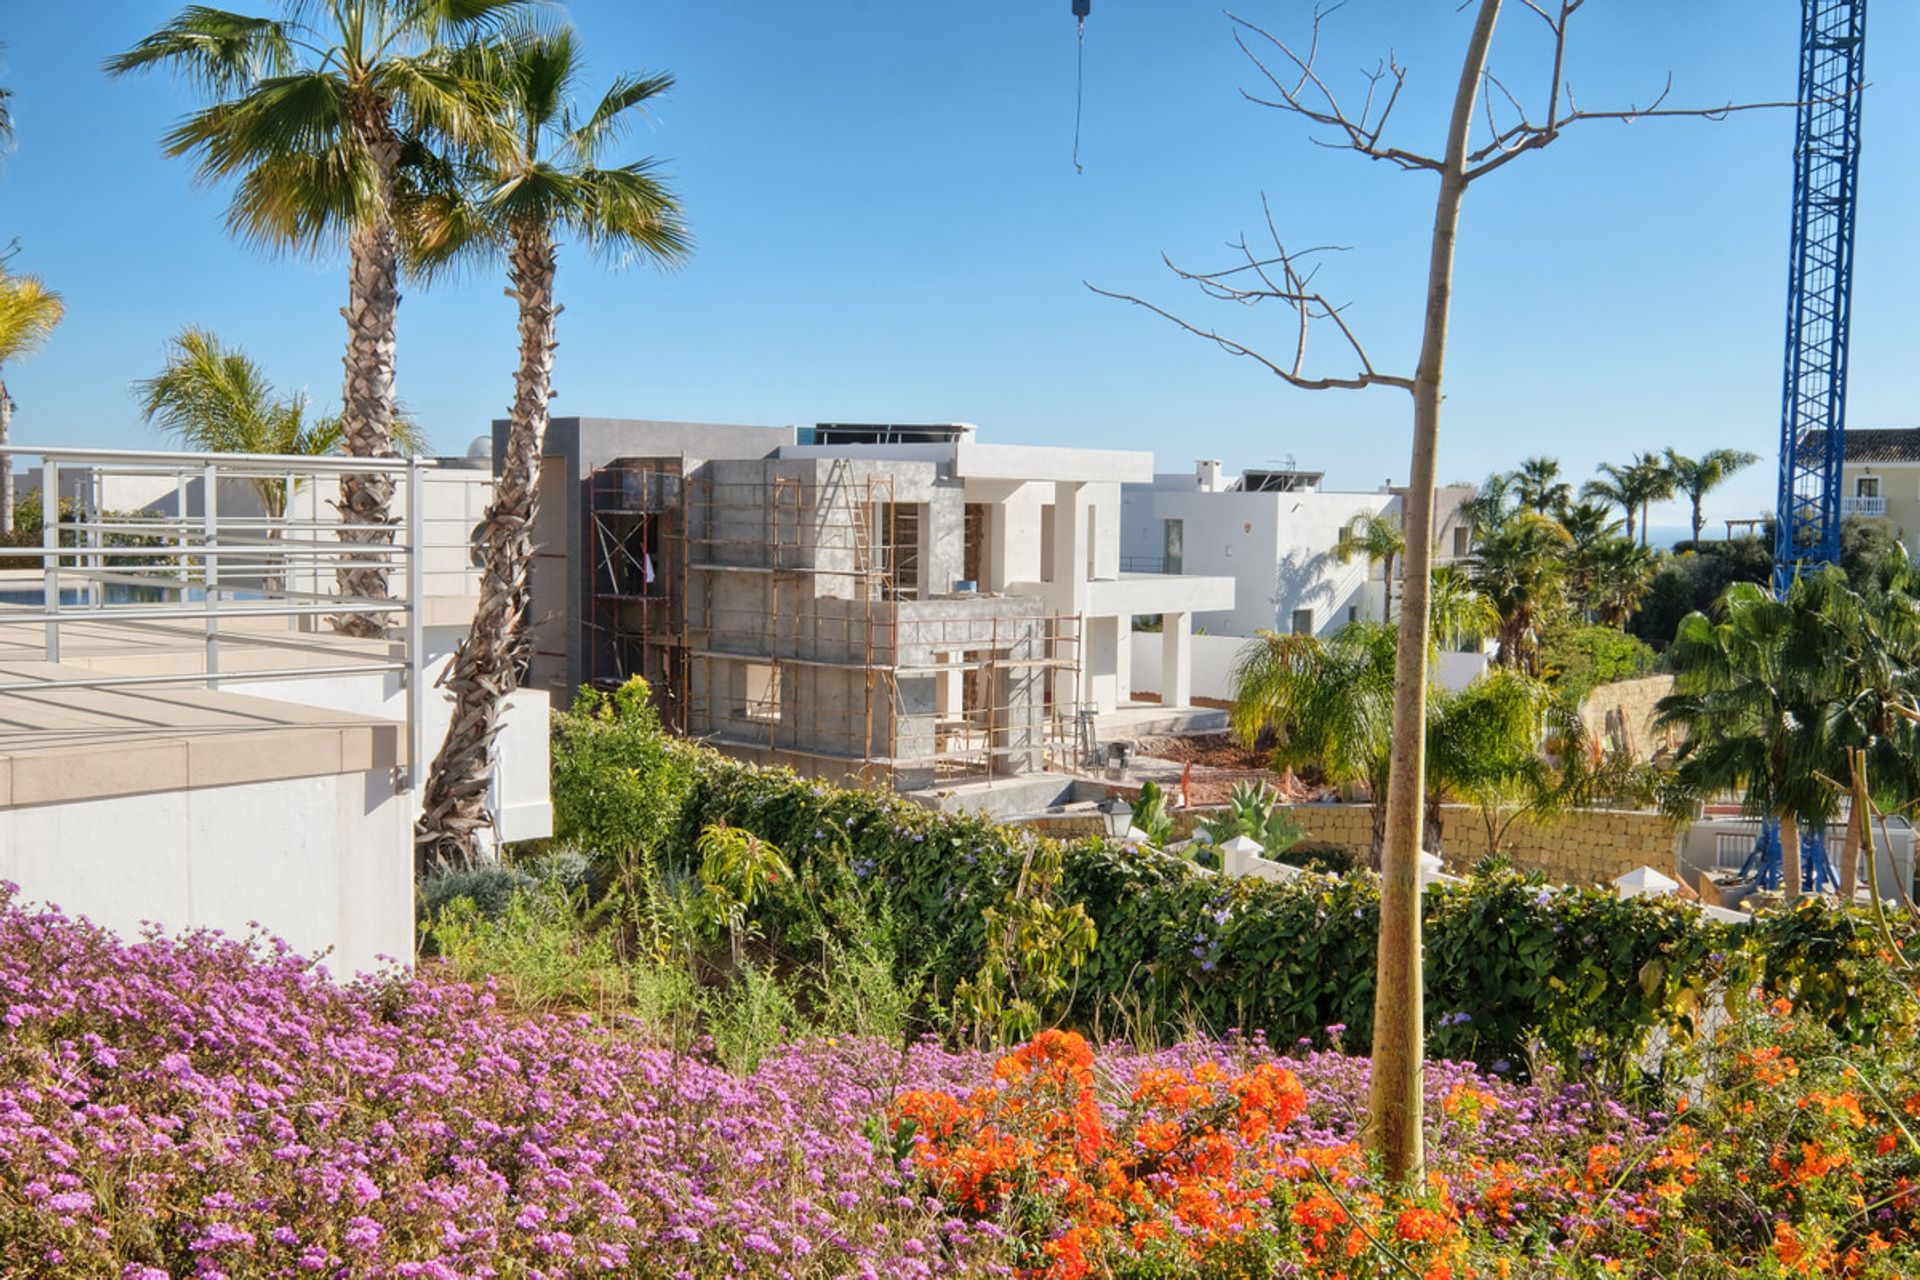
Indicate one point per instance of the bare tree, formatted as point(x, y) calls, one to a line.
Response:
point(1286, 277)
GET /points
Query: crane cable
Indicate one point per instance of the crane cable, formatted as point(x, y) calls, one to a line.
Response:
point(1079, 91)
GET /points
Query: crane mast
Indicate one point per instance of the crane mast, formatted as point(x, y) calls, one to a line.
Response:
point(1826, 180)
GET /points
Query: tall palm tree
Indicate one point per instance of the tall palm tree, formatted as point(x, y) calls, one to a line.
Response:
point(28, 313)
point(214, 398)
point(541, 178)
point(1755, 710)
point(1493, 504)
point(1380, 541)
point(1615, 487)
point(1521, 570)
point(1539, 487)
point(1697, 477)
point(1621, 573)
point(1590, 526)
point(314, 114)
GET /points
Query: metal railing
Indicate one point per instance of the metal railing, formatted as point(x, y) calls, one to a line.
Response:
point(143, 538)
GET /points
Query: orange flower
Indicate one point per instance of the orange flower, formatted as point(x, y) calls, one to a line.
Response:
point(1320, 1214)
point(1422, 1226)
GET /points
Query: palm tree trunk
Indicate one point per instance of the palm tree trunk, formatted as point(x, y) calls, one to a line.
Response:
point(1789, 858)
point(1386, 590)
point(1399, 1049)
point(1646, 509)
point(1698, 522)
point(486, 666)
point(372, 313)
point(6, 460)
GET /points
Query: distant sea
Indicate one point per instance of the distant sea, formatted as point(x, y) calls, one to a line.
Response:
point(1664, 536)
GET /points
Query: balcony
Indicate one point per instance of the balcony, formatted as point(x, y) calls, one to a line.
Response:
point(1863, 506)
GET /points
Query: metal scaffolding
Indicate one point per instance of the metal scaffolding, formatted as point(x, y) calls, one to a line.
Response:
point(787, 618)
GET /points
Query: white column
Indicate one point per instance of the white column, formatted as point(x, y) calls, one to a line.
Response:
point(1176, 659)
point(1069, 547)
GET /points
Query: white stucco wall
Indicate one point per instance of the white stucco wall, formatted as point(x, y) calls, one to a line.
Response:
point(1213, 658)
point(321, 861)
point(1278, 548)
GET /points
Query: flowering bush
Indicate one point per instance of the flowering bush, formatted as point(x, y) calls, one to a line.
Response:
point(1226, 1163)
point(205, 1107)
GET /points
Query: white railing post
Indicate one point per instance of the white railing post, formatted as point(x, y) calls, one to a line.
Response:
point(416, 630)
point(210, 533)
point(50, 550)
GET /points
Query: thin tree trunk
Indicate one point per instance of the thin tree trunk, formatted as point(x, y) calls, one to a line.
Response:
point(1386, 590)
point(486, 666)
point(372, 313)
point(1789, 858)
point(1698, 522)
point(6, 460)
point(1850, 855)
point(1394, 1096)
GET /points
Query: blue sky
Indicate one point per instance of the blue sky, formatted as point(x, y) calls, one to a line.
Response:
point(890, 228)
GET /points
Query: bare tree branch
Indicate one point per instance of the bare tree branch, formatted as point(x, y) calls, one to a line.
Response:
point(1284, 277)
point(1562, 111)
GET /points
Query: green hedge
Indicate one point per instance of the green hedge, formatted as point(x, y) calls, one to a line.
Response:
point(1508, 959)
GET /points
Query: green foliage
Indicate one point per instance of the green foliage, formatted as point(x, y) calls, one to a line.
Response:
point(1150, 814)
point(1254, 811)
point(1578, 658)
point(540, 946)
point(1581, 975)
point(1035, 943)
point(750, 1018)
point(1692, 580)
point(737, 870)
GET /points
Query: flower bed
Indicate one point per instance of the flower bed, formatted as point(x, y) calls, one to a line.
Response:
point(210, 1108)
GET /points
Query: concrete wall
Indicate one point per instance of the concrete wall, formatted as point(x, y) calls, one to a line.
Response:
point(1214, 656)
point(521, 799)
point(1625, 708)
point(1588, 847)
point(321, 861)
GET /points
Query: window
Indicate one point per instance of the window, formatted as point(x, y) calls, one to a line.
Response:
point(1462, 541)
point(1866, 487)
point(1353, 613)
point(1046, 543)
point(1303, 622)
point(762, 693)
point(896, 532)
point(1172, 539)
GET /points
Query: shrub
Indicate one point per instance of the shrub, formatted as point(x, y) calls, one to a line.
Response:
point(1578, 659)
point(1514, 969)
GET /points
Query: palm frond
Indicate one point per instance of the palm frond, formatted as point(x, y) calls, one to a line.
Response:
point(214, 49)
point(29, 312)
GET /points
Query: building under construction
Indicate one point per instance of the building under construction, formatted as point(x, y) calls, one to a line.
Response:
point(846, 601)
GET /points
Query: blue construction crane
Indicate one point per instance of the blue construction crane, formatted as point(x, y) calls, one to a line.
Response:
point(1813, 403)
point(1826, 182)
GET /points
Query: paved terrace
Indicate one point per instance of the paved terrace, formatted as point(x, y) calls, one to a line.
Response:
point(68, 743)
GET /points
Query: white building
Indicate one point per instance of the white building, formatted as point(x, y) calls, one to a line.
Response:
point(1274, 532)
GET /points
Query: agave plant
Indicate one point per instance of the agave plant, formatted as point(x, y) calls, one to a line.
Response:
point(1254, 811)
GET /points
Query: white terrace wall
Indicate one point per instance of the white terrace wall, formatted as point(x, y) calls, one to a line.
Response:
point(1213, 658)
point(322, 862)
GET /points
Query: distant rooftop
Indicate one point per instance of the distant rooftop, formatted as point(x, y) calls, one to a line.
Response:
point(1876, 444)
point(886, 433)
point(1279, 481)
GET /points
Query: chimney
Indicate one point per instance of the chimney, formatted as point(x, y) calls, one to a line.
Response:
point(1207, 473)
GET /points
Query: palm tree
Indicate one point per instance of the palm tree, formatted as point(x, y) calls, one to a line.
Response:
point(1539, 487)
point(1521, 569)
point(1634, 488)
point(314, 114)
point(1589, 526)
point(1614, 486)
point(1330, 701)
point(1621, 574)
point(1493, 504)
point(1697, 477)
point(1748, 690)
point(1461, 615)
point(542, 177)
point(213, 398)
point(28, 313)
point(1379, 539)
